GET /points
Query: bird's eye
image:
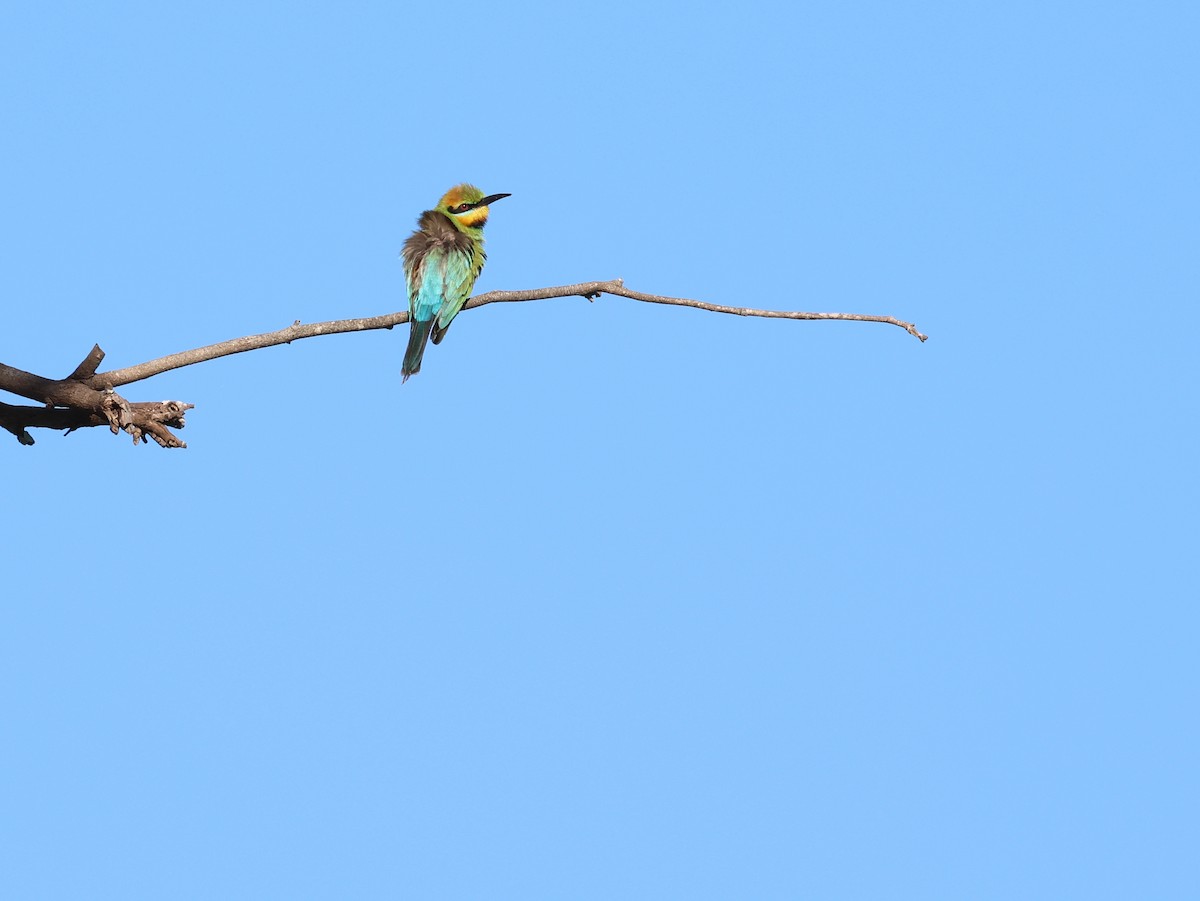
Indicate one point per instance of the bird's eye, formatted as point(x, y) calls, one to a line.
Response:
point(461, 208)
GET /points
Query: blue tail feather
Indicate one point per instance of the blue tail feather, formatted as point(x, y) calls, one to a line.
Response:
point(417, 337)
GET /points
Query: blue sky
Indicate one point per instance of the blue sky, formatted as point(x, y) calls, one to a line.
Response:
point(612, 600)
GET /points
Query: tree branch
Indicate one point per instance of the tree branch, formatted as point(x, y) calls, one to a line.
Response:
point(87, 368)
point(590, 290)
point(87, 397)
point(145, 420)
point(616, 287)
point(71, 404)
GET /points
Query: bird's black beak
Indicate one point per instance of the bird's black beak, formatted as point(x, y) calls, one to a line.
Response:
point(491, 198)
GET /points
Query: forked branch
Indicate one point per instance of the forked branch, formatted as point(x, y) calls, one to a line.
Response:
point(87, 398)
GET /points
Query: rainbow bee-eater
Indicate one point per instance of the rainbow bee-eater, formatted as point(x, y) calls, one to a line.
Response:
point(442, 259)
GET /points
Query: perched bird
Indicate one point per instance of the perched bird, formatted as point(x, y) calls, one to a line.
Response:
point(442, 259)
